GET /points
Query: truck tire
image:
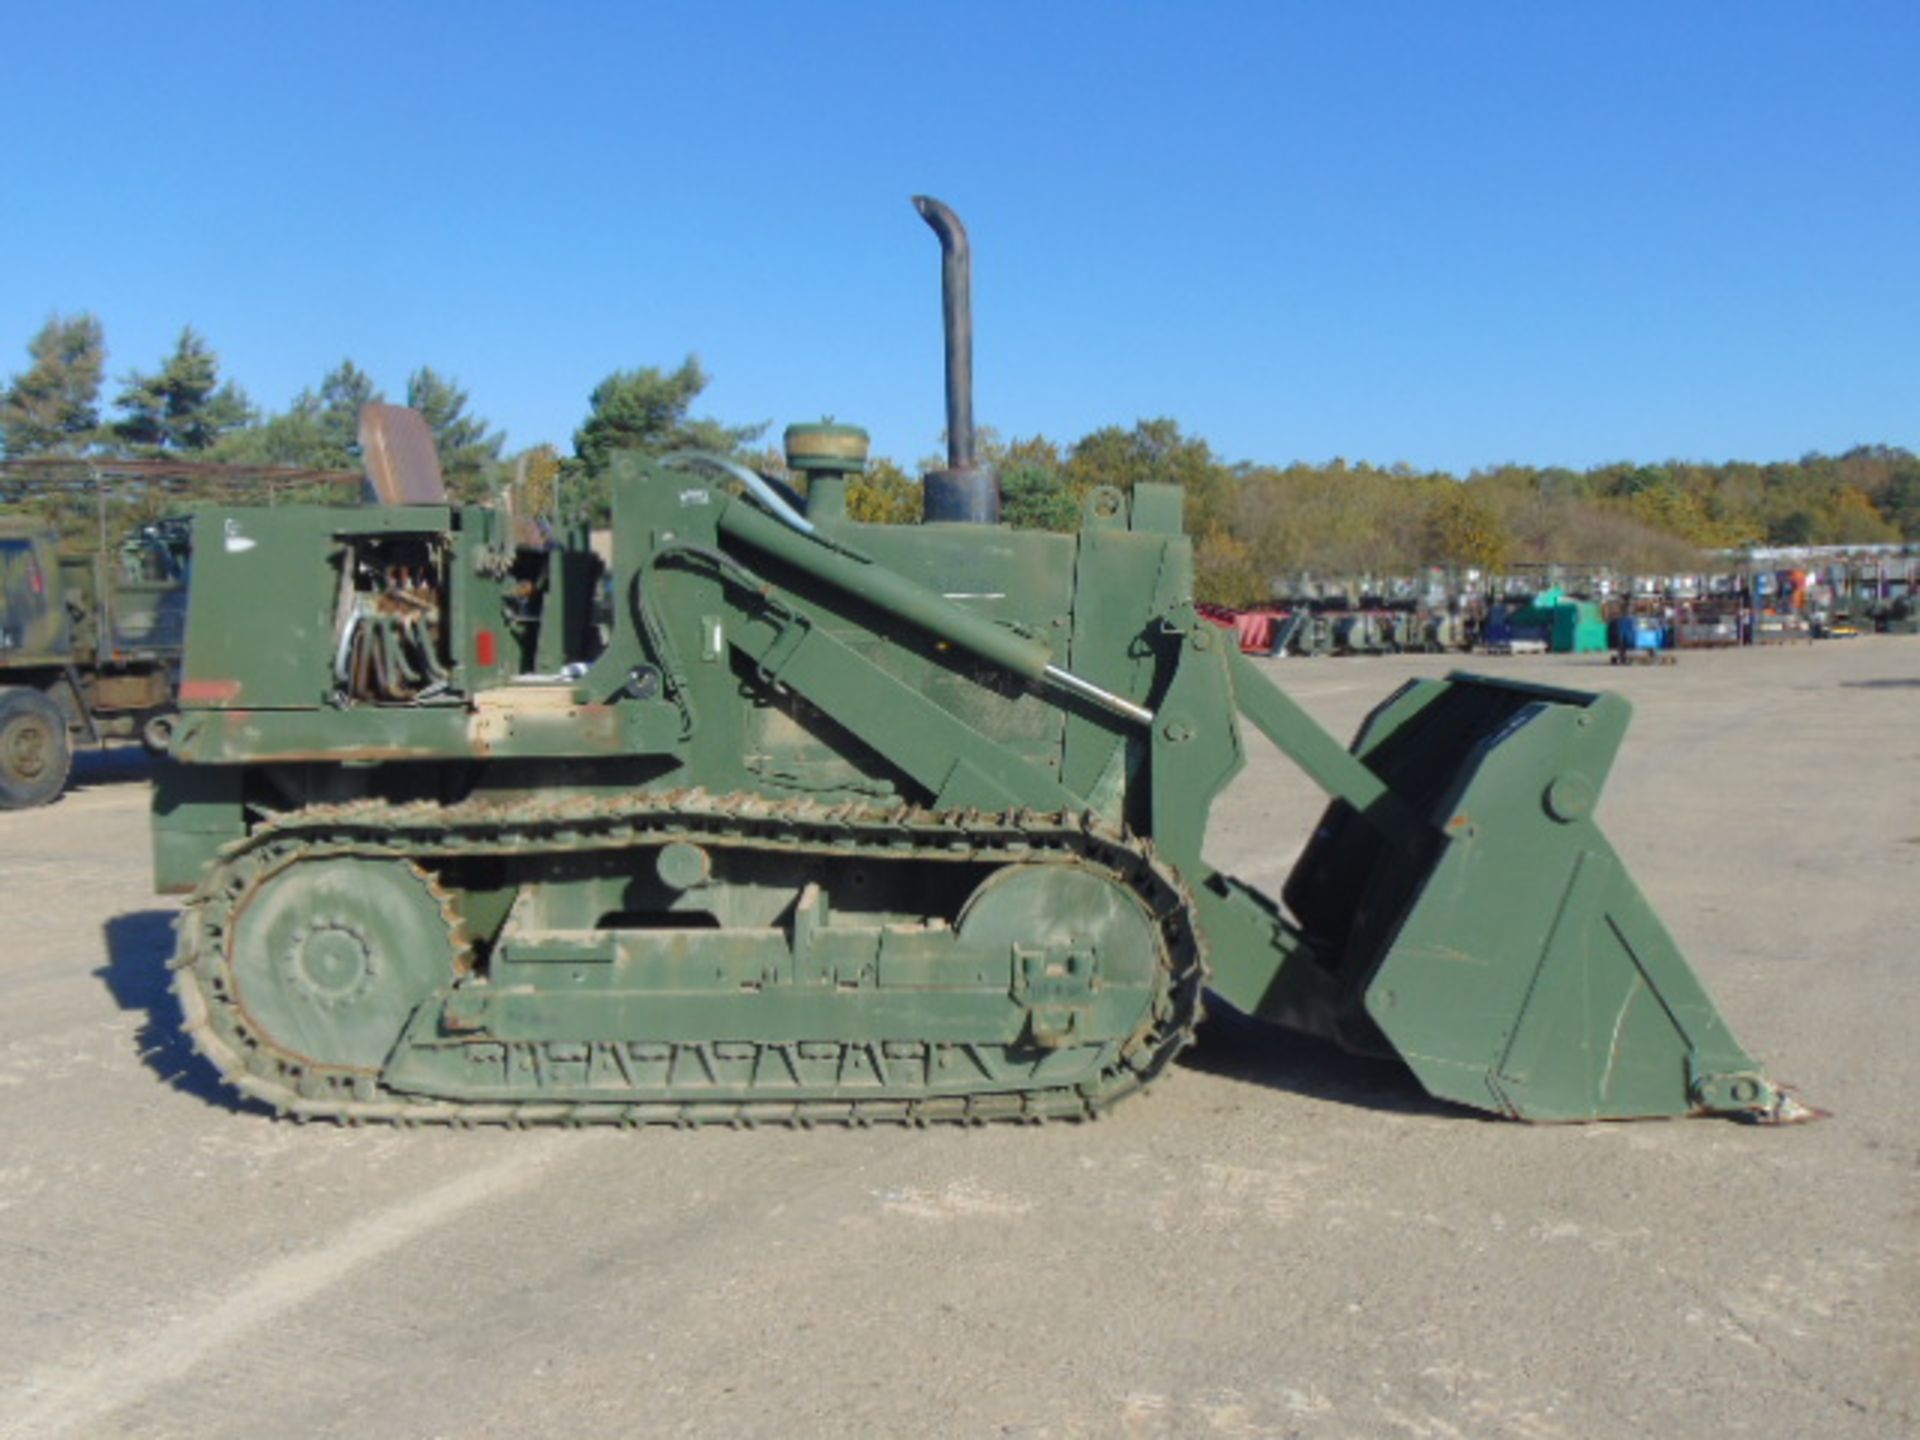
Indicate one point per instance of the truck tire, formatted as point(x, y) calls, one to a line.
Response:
point(34, 755)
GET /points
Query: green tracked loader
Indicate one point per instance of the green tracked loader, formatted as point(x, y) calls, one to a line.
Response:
point(778, 817)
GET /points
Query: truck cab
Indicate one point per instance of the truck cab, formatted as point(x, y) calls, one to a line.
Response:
point(90, 643)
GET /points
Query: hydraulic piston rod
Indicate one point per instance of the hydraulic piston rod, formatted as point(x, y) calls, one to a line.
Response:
point(894, 593)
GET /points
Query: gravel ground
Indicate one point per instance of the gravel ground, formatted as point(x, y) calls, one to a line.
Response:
point(1278, 1241)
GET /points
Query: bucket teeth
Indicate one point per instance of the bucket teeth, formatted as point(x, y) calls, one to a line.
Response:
point(1789, 1109)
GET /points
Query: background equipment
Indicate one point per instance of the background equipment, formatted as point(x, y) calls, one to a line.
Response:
point(89, 646)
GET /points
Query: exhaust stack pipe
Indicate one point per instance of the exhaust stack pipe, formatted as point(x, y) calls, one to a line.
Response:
point(966, 490)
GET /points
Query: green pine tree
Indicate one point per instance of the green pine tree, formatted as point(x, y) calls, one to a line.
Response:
point(336, 408)
point(1035, 497)
point(53, 406)
point(644, 410)
point(184, 406)
point(469, 451)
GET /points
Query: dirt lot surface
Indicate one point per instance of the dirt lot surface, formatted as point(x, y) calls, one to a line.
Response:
point(1278, 1241)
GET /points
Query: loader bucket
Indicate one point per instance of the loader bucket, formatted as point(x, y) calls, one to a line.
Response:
point(1497, 943)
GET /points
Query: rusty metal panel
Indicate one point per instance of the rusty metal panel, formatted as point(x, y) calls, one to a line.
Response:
point(133, 690)
point(403, 466)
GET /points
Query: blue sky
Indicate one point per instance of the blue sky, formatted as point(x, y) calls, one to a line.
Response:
point(1445, 234)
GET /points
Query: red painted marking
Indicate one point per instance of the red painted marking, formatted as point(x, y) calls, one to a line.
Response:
point(208, 691)
point(485, 649)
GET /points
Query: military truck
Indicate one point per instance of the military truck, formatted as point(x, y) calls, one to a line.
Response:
point(90, 641)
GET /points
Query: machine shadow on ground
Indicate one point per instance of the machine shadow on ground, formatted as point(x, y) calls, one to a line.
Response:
point(1238, 1047)
point(139, 945)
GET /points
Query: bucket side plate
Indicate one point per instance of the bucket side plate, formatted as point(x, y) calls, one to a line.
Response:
point(1509, 958)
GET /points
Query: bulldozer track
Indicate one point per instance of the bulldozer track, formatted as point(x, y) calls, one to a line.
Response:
point(425, 834)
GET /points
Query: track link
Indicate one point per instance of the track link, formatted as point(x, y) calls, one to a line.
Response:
point(427, 833)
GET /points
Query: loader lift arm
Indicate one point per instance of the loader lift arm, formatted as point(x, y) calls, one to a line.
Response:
point(1456, 907)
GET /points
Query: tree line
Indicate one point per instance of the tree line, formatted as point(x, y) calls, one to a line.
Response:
point(1253, 522)
point(1250, 521)
point(184, 409)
